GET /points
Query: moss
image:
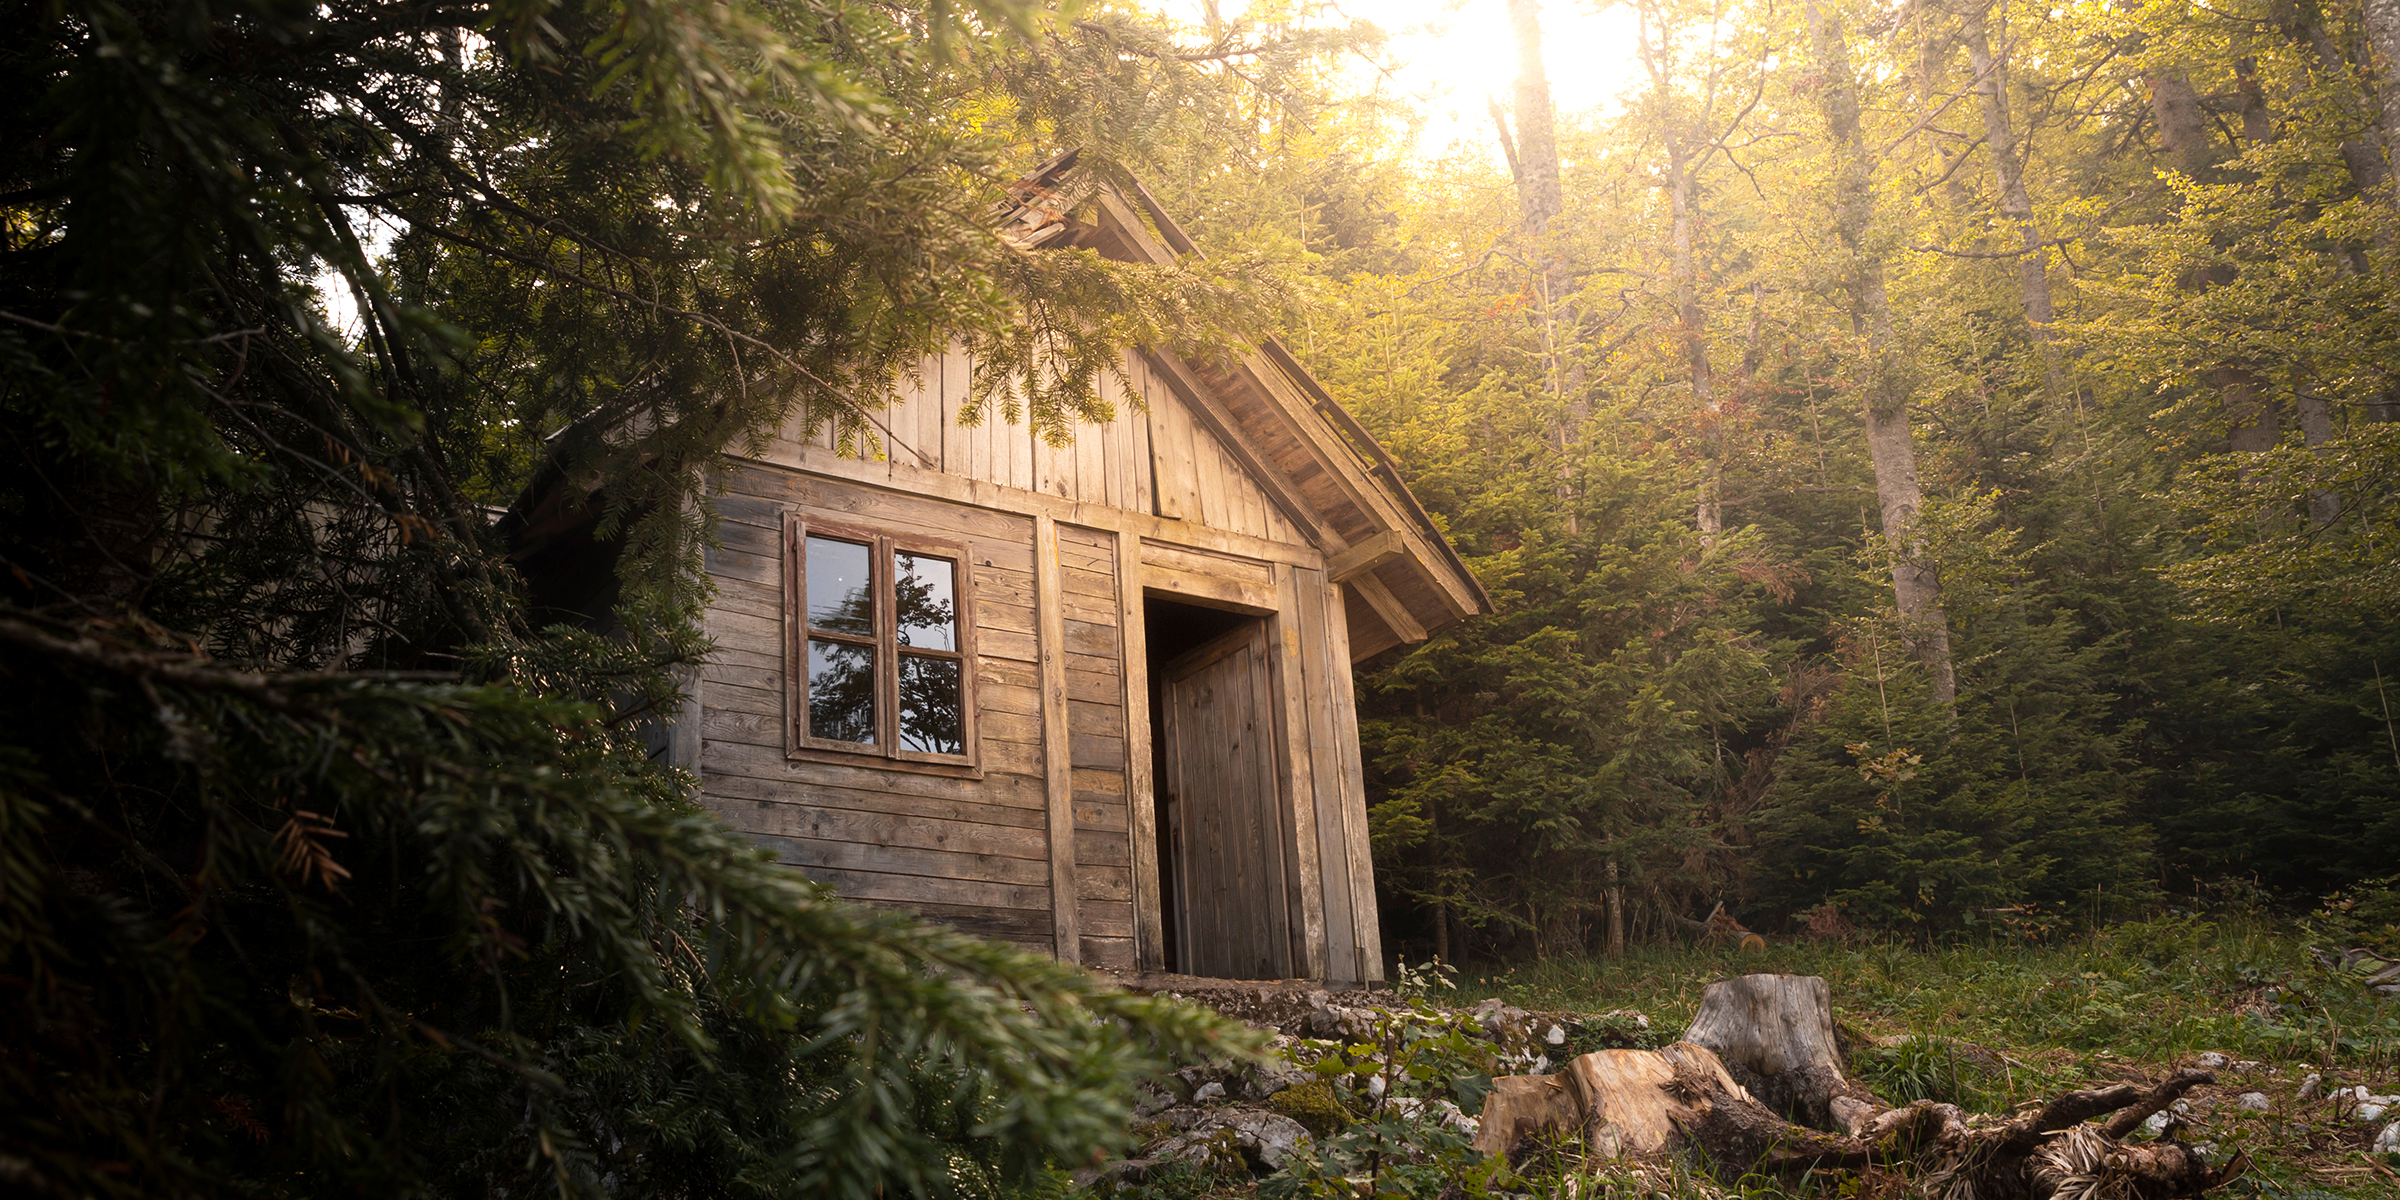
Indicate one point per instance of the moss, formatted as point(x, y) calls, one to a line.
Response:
point(1315, 1105)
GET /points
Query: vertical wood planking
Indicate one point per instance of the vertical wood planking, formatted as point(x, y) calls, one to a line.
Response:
point(1149, 928)
point(1343, 700)
point(1296, 778)
point(1137, 454)
point(1091, 465)
point(954, 395)
point(1058, 777)
point(1332, 846)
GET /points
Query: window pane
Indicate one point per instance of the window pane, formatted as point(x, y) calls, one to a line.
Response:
point(841, 691)
point(928, 605)
point(840, 595)
point(930, 720)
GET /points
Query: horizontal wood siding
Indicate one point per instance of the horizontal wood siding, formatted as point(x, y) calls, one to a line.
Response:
point(970, 852)
point(1096, 739)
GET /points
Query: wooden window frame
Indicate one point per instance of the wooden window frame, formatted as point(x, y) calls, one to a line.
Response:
point(883, 547)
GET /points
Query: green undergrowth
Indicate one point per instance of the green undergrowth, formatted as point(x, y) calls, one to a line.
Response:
point(2152, 991)
point(1985, 1026)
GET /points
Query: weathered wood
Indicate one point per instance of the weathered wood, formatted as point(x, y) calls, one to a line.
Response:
point(998, 498)
point(1524, 1107)
point(737, 777)
point(1342, 698)
point(1149, 933)
point(921, 889)
point(1231, 893)
point(997, 804)
point(1394, 614)
point(1330, 847)
point(1212, 590)
point(1020, 925)
point(888, 829)
point(1295, 761)
point(1365, 556)
point(1209, 414)
point(1627, 1105)
point(1058, 775)
point(1774, 1033)
point(906, 861)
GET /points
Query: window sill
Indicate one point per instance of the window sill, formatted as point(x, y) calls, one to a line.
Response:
point(880, 762)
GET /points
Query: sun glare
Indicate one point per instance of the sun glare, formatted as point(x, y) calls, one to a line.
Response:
point(1447, 58)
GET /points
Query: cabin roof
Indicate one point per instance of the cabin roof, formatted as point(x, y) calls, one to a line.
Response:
point(1322, 469)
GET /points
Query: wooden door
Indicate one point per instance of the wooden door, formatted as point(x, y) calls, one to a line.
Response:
point(1228, 837)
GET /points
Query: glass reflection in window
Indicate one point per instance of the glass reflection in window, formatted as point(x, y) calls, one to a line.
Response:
point(841, 594)
point(927, 591)
point(929, 705)
point(841, 689)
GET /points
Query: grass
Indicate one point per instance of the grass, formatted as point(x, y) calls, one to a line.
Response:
point(1991, 1026)
point(2156, 991)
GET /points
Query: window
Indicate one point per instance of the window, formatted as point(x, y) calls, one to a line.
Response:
point(880, 655)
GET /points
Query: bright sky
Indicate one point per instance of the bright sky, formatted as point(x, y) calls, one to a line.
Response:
point(1450, 55)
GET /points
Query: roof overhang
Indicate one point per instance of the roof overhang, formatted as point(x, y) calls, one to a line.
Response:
point(1324, 471)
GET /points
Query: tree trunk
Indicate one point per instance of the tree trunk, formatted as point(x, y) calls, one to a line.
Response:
point(1615, 892)
point(2016, 205)
point(2383, 33)
point(1774, 1034)
point(2183, 141)
point(1691, 327)
point(1533, 161)
point(1888, 385)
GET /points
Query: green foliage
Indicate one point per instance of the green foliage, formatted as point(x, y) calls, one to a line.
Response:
point(335, 859)
point(1920, 1068)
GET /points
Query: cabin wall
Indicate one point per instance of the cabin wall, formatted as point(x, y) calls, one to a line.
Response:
point(1061, 545)
point(1152, 459)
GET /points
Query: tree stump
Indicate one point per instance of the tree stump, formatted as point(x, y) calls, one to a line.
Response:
point(1774, 1034)
point(1645, 1104)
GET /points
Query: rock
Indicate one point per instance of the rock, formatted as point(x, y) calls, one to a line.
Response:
point(1212, 1149)
point(1556, 1035)
point(1150, 1099)
point(1208, 1093)
point(2370, 1113)
point(2252, 1101)
point(2313, 1087)
point(2158, 1124)
point(1122, 1171)
point(1234, 1137)
point(2211, 1061)
point(1182, 1118)
point(1438, 1110)
point(2388, 1142)
point(1271, 1075)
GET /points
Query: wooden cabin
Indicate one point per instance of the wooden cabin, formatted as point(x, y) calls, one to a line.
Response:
point(1094, 700)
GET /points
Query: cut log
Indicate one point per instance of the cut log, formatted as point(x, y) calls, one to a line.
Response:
point(1522, 1108)
point(1629, 1106)
point(1774, 1034)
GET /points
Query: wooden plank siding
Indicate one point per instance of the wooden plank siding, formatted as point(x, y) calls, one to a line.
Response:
point(1047, 838)
point(967, 848)
point(1151, 458)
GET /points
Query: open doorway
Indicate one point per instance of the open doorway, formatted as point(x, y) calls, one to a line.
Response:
point(1221, 834)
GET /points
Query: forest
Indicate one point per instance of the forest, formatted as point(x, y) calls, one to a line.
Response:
point(1933, 462)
